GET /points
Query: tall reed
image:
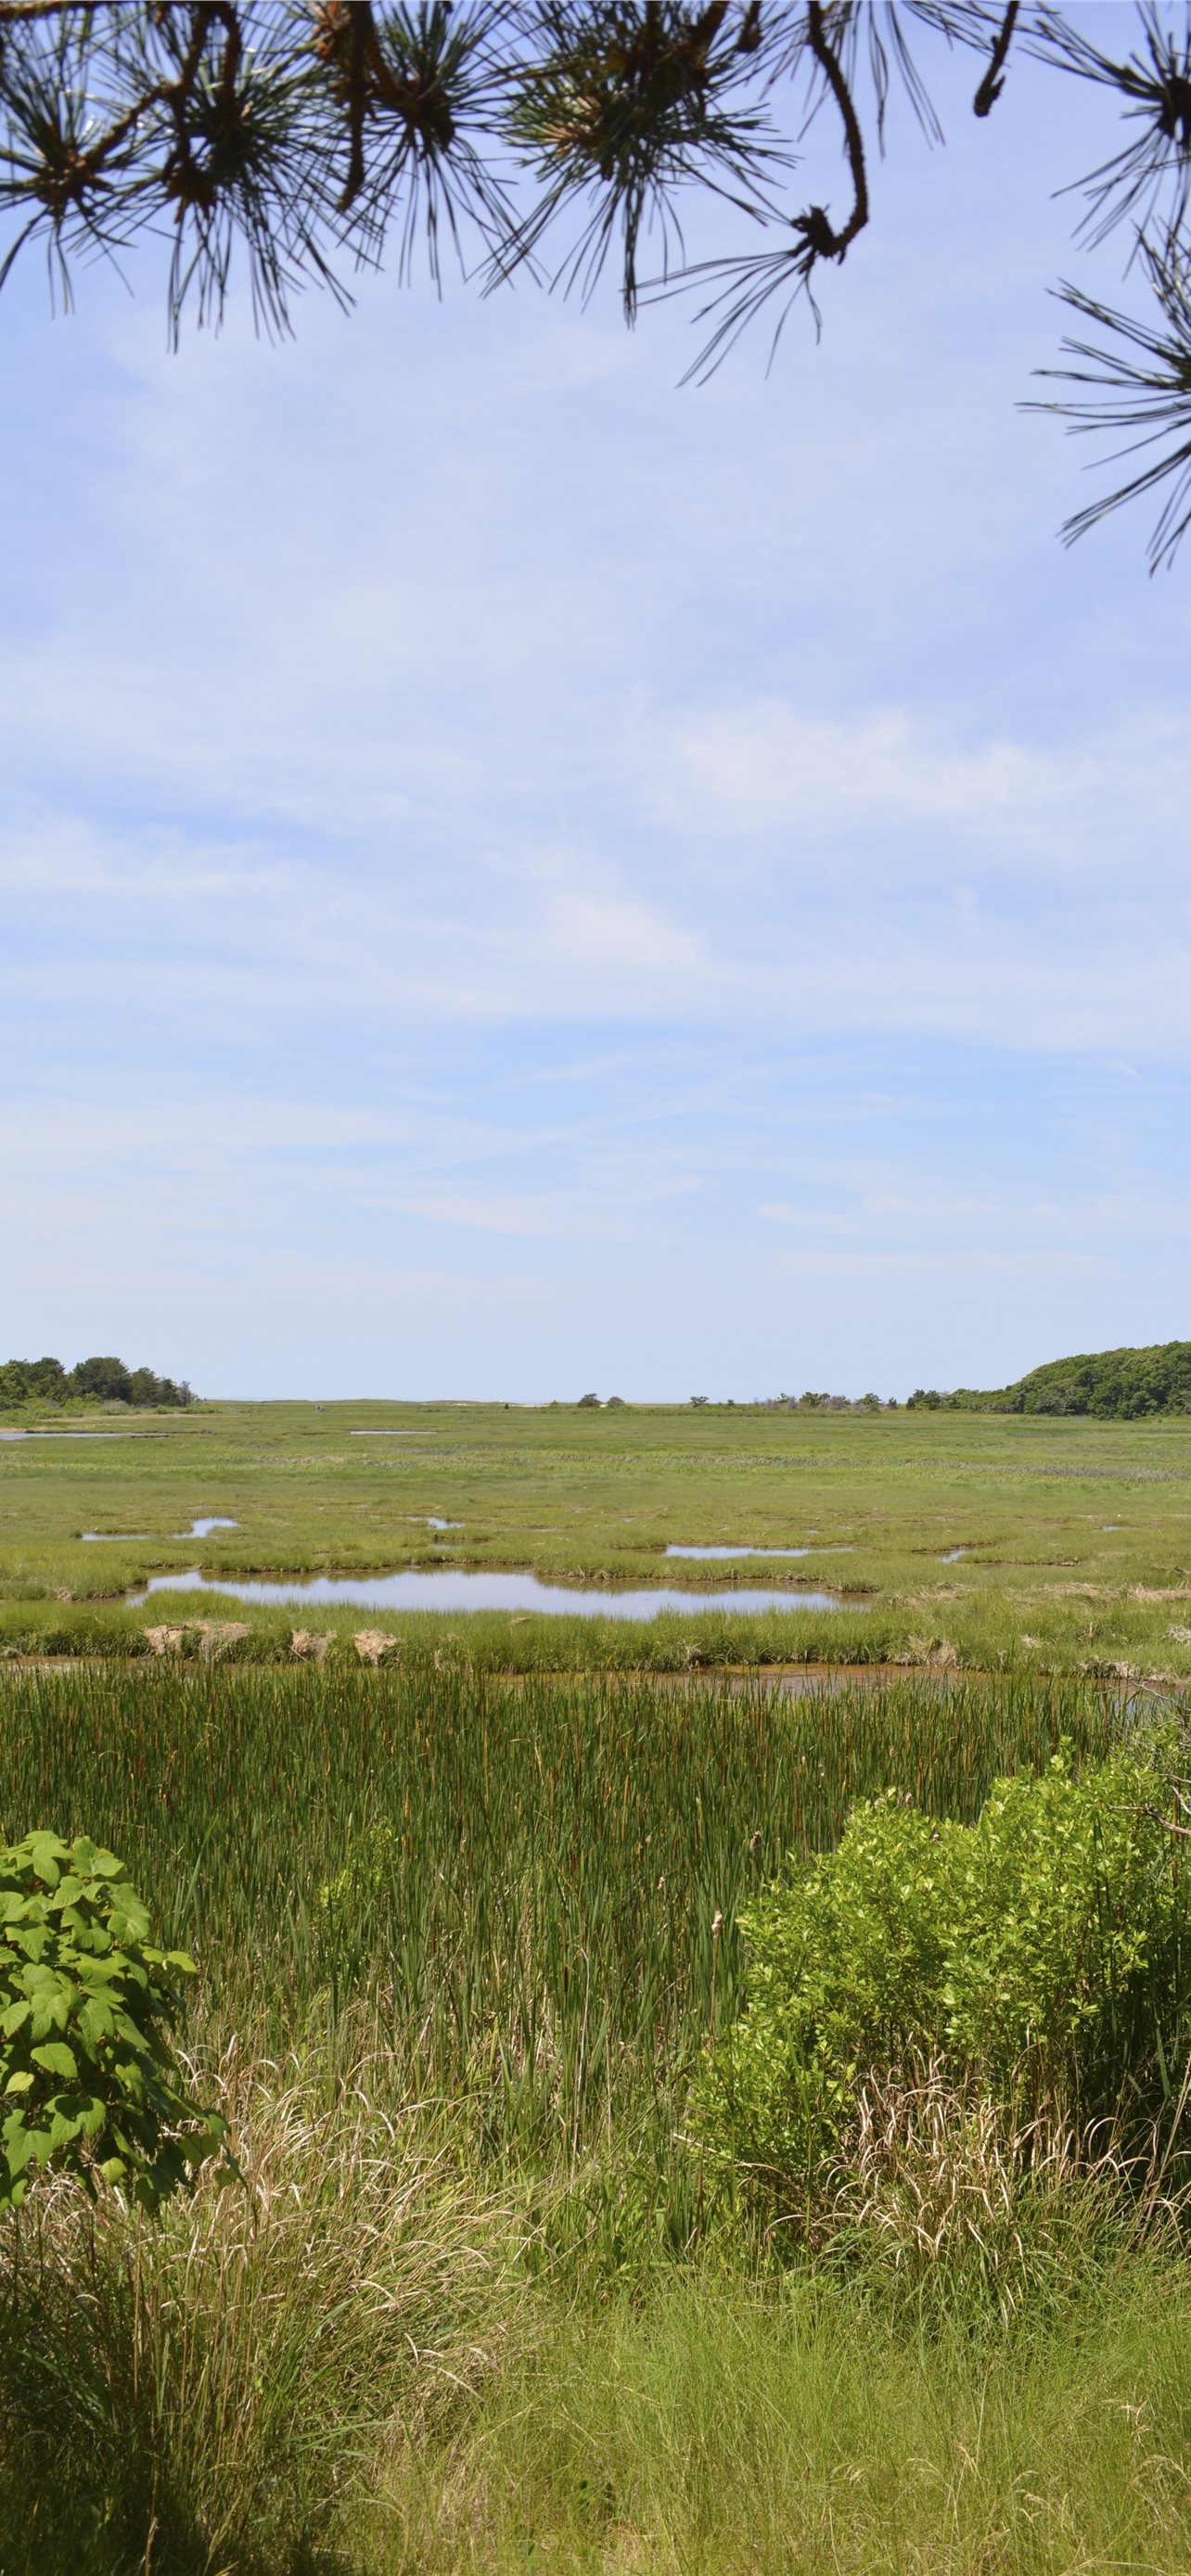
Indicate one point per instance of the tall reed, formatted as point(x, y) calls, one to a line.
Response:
point(519, 1886)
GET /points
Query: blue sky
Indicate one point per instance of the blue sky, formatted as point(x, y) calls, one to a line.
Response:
point(520, 878)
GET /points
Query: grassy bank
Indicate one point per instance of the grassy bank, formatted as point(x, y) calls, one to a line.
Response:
point(1116, 1640)
point(478, 2303)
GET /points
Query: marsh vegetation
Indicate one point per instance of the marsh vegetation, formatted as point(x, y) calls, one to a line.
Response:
point(966, 1541)
point(490, 2294)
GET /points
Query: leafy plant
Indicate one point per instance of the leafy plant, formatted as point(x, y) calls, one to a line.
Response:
point(89, 2084)
point(1040, 1955)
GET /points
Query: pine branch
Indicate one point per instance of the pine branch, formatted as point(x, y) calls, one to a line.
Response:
point(287, 137)
point(1137, 386)
point(822, 241)
point(994, 79)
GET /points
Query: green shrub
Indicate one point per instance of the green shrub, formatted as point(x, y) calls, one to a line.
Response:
point(88, 2080)
point(1040, 1957)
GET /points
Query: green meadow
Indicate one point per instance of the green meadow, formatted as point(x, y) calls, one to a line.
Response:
point(1075, 1534)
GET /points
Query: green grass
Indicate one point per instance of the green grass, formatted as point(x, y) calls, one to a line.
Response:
point(357, 2374)
point(479, 2306)
point(714, 2430)
point(596, 1497)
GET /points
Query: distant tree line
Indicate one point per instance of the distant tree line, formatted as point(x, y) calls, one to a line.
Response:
point(1115, 1386)
point(104, 1381)
point(808, 1403)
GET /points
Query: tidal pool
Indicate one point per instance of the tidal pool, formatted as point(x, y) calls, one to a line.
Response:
point(448, 1589)
point(197, 1529)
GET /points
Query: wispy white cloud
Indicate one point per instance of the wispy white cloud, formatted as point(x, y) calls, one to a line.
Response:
point(567, 935)
point(764, 766)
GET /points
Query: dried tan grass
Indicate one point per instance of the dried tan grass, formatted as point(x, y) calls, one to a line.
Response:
point(308, 1645)
point(251, 2350)
point(371, 1644)
point(929, 2172)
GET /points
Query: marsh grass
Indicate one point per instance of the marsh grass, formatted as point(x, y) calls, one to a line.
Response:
point(1075, 1535)
point(1118, 1639)
point(947, 2206)
point(478, 2304)
point(559, 1642)
point(720, 2430)
point(352, 2367)
point(211, 2391)
point(533, 1928)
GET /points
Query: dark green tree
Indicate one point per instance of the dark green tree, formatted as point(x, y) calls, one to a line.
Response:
point(20, 1379)
point(106, 1378)
point(550, 136)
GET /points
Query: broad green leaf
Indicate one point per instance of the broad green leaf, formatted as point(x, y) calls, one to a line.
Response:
point(50, 2012)
point(65, 2127)
point(96, 2020)
point(57, 2059)
point(47, 1855)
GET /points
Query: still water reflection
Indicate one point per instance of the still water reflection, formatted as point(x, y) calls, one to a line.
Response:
point(449, 1589)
